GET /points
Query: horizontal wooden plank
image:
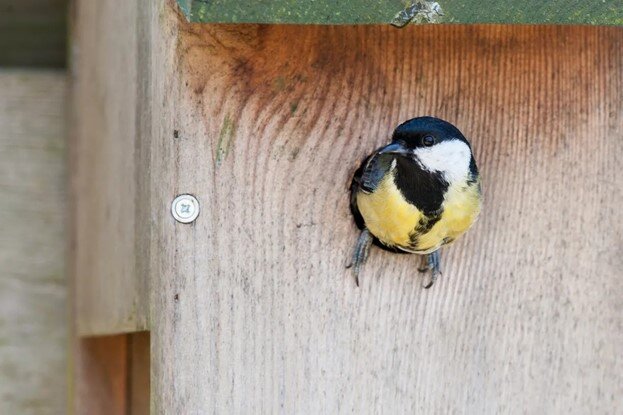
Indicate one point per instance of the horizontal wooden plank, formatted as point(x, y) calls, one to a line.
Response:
point(603, 12)
point(33, 283)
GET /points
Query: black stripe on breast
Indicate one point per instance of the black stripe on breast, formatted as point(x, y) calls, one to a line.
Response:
point(420, 187)
point(424, 225)
point(473, 172)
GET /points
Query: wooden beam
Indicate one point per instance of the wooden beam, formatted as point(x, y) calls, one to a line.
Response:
point(606, 12)
point(112, 376)
point(110, 74)
point(102, 382)
point(251, 307)
point(139, 373)
point(33, 283)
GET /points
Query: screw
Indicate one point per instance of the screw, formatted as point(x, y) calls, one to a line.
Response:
point(185, 208)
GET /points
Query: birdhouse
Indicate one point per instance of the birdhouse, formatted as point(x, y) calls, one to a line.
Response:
point(213, 145)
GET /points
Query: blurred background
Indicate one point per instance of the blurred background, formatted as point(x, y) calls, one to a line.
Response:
point(33, 295)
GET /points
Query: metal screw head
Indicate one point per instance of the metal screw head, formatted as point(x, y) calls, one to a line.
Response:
point(185, 208)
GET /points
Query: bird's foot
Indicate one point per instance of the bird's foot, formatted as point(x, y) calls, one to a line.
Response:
point(432, 266)
point(362, 248)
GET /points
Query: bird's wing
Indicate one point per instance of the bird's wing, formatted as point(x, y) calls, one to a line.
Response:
point(366, 179)
point(374, 170)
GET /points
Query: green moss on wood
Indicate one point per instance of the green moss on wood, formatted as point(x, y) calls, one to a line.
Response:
point(228, 131)
point(598, 12)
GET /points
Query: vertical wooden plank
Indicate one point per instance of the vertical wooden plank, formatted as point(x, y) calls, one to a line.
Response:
point(111, 289)
point(253, 309)
point(113, 375)
point(33, 312)
point(102, 387)
point(139, 373)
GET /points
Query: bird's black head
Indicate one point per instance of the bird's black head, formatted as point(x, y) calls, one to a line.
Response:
point(425, 132)
point(434, 145)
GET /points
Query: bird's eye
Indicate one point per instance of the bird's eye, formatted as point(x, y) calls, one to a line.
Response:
point(428, 140)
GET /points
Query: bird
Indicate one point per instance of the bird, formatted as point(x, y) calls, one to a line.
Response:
point(416, 194)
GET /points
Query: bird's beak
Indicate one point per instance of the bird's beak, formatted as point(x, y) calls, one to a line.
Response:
point(393, 148)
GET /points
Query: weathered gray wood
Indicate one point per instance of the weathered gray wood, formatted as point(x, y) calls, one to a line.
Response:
point(253, 309)
point(33, 312)
point(111, 292)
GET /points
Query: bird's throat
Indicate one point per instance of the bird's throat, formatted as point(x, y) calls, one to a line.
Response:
point(423, 188)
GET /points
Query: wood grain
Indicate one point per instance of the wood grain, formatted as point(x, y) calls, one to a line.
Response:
point(33, 299)
point(112, 292)
point(253, 309)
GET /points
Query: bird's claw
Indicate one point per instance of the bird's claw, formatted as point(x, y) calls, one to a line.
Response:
point(432, 261)
point(433, 266)
point(433, 277)
point(360, 255)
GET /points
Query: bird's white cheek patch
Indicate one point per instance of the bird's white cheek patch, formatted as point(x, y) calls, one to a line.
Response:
point(450, 157)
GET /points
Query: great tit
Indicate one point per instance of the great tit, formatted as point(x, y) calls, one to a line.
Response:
point(416, 194)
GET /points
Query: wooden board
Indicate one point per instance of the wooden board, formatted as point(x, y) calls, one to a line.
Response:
point(112, 292)
point(113, 375)
point(139, 373)
point(253, 307)
point(602, 12)
point(33, 307)
point(102, 376)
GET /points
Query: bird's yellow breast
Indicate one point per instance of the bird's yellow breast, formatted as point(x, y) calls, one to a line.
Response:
point(460, 209)
point(394, 221)
point(387, 214)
